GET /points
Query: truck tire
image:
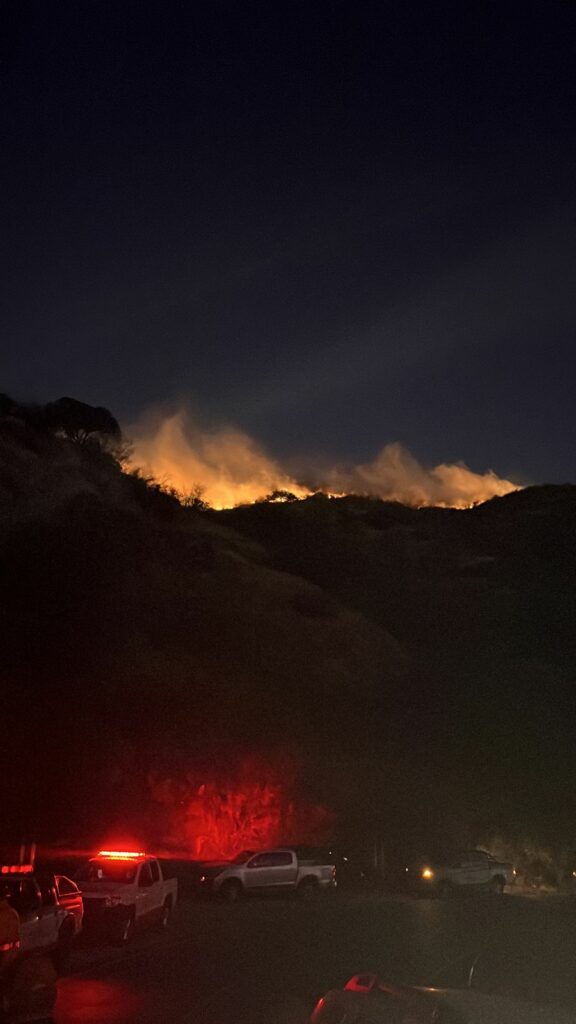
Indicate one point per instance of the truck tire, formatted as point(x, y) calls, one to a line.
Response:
point(308, 888)
point(166, 914)
point(123, 930)
point(232, 890)
point(497, 885)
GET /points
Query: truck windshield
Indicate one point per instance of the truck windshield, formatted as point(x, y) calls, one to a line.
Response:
point(119, 871)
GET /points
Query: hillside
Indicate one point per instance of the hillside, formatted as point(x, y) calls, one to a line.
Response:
point(483, 601)
point(140, 636)
point(410, 670)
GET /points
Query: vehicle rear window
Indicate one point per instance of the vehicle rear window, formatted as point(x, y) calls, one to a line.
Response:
point(21, 894)
point(276, 859)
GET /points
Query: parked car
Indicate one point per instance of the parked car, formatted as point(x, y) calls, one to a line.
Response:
point(123, 891)
point(44, 923)
point(29, 962)
point(367, 1000)
point(472, 870)
point(268, 871)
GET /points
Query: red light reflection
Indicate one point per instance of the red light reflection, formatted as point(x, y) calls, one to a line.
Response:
point(87, 1001)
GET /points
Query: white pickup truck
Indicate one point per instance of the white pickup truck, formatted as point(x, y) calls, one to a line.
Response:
point(123, 891)
point(267, 871)
point(474, 869)
point(31, 957)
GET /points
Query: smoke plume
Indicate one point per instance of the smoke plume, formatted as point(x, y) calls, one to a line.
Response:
point(227, 467)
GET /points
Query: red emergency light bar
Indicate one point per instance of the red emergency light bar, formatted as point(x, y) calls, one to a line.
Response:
point(120, 854)
point(17, 869)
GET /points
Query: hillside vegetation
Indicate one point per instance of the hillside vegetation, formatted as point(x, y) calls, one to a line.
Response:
point(417, 665)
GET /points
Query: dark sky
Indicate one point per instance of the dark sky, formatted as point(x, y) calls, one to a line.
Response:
point(333, 224)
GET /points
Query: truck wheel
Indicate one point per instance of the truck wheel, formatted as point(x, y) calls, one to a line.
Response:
point(444, 890)
point(232, 891)
point(308, 888)
point(166, 914)
point(497, 885)
point(124, 930)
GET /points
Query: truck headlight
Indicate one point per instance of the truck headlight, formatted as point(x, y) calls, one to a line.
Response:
point(427, 873)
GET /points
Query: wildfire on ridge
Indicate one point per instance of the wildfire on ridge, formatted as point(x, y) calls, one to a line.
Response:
point(227, 468)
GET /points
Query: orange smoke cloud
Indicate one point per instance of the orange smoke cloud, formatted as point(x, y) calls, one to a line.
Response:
point(229, 468)
point(396, 475)
point(226, 465)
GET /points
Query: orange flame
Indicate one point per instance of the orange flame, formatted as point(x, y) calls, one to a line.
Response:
point(395, 475)
point(229, 468)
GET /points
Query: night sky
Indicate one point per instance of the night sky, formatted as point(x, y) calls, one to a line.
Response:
point(334, 225)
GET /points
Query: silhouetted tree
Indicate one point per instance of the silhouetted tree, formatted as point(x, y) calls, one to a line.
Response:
point(280, 496)
point(8, 407)
point(79, 421)
point(193, 499)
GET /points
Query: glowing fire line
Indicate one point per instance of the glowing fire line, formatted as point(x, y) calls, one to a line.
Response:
point(228, 468)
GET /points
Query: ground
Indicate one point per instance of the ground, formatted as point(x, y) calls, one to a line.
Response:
point(266, 961)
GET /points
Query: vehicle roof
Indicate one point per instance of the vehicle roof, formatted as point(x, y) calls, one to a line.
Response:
point(269, 849)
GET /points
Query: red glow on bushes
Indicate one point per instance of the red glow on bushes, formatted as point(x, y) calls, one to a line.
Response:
point(216, 820)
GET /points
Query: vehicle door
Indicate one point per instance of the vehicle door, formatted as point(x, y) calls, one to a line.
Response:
point(271, 869)
point(144, 892)
point(457, 870)
point(70, 898)
point(53, 914)
point(157, 888)
point(477, 868)
point(27, 902)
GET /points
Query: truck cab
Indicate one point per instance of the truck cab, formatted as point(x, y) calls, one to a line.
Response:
point(36, 903)
point(124, 890)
